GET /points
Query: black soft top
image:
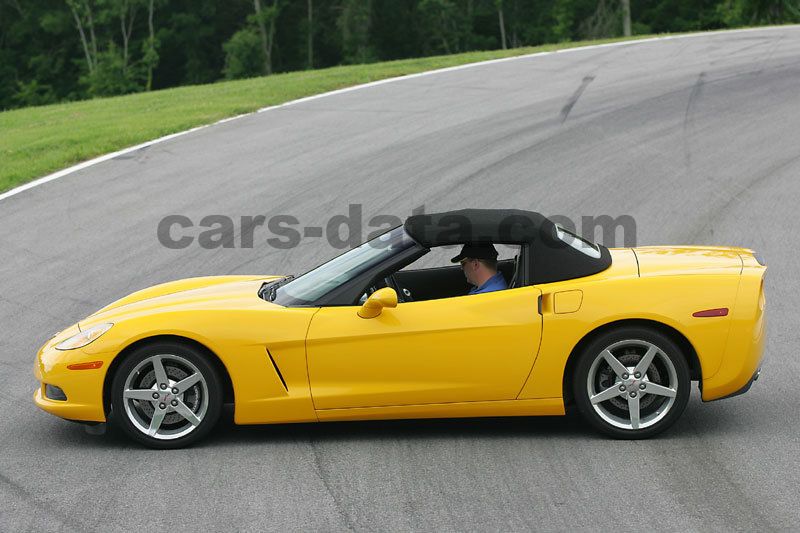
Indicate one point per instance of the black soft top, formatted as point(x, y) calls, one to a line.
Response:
point(551, 259)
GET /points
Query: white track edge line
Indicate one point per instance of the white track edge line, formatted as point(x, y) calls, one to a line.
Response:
point(112, 155)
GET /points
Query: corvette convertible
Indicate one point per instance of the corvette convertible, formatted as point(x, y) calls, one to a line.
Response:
point(617, 334)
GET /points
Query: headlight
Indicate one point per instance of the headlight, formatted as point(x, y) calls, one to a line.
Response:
point(83, 338)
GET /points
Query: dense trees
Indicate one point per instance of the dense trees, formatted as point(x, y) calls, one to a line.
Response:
point(53, 50)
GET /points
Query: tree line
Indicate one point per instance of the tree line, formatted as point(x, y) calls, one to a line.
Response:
point(57, 50)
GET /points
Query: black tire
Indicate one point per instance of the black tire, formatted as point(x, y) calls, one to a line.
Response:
point(668, 370)
point(203, 398)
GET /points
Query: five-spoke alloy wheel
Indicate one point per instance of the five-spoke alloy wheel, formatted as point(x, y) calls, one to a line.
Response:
point(166, 395)
point(631, 383)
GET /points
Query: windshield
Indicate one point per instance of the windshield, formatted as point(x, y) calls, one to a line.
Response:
point(318, 282)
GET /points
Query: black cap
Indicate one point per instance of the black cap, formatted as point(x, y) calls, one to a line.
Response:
point(476, 251)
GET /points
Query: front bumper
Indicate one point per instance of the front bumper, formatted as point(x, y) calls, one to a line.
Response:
point(83, 388)
point(69, 410)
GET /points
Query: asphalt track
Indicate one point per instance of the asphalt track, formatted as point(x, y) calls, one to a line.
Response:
point(697, 138)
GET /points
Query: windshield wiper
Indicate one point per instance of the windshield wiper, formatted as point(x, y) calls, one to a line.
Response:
point(262, 290)
point(269, 289)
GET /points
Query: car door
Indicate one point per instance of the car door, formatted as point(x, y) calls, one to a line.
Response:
point(468, 348)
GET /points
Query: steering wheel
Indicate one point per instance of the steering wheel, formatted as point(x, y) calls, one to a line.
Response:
point(403, 294)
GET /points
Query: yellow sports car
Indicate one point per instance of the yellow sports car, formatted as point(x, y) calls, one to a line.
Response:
point(385, 331)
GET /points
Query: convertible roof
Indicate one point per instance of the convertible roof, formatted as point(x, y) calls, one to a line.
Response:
point(551, 259)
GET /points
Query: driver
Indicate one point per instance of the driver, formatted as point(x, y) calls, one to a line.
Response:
point(479, 262)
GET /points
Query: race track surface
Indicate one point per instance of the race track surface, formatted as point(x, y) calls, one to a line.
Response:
point(697, 138)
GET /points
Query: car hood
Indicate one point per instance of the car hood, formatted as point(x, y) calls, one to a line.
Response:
point(671, 260)
point(195, 292)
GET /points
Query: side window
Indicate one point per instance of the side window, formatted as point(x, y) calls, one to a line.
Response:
point(440, 256)
point(433, 276)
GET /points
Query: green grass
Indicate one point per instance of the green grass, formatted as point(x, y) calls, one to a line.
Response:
point(35, 141)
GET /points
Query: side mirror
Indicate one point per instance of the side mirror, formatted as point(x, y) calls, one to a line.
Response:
point(379, 299)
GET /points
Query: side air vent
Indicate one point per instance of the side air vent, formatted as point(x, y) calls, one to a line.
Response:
point(277, 370)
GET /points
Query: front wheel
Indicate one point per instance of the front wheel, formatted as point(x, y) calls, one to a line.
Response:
point(631, 383)
point(166, 395)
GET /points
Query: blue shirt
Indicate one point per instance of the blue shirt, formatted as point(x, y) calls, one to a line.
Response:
point(495, 283)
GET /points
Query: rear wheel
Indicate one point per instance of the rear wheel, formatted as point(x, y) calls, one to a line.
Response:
point(631, 383)
point(166, 395)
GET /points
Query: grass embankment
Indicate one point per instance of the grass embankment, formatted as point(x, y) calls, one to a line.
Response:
point(35, 141)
